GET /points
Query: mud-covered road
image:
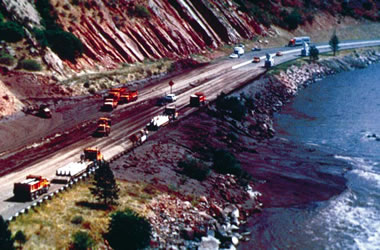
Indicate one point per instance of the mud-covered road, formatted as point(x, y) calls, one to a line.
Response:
point(32, 145)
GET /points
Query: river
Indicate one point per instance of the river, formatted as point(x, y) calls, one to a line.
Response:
point(339, 115)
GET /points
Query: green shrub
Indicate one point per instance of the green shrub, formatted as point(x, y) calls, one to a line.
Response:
point(82, 241)
point(127, 230)
point(6, 59)
point(226, 163)
point(29, 64)
point(41, 37)
point(65, 44)
point(77, 219)
point(11, 32)
point(231, 105)
point(194, 168)
point(140, 11)
point(293, 20)
point(1, 17)
point(20, 238)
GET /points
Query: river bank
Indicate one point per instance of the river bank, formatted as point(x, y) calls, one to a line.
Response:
point(284, 173)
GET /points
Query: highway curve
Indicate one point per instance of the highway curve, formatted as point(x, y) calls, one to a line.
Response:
point(31, 145)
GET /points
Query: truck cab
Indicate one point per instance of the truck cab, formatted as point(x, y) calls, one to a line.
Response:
point(92, 154)
point(197, 99)
point(104, 127)
point(171, 111)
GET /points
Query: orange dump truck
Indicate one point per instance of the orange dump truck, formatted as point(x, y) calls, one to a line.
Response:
point(127, 96)
point(104, 127)
point(112, 99)
point(31, 188)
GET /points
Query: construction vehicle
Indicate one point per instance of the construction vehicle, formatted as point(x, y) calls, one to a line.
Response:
point(127, 96)
point(104, 127)
point(171, 112)
point(31, 188)
point(197, 99)
point(157, 122)
point(109, 103)
point(269, 62)
point(41, 111)
point(112, 99)
point(139, 137)
point(298, 41)
point(88, 161)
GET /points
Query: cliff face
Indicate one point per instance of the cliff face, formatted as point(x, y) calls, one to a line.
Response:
point(131, 31)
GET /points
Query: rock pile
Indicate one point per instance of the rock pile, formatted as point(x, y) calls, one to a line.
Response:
point(203, 223)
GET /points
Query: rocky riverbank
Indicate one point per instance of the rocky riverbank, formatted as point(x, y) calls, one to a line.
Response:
point(211, 213)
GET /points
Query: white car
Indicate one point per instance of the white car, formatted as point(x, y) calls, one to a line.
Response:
point(170, 97)
point(239, 50)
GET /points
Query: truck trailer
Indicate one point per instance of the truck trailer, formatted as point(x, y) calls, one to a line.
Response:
point(31, 188)
point(157, 122)
point(87, 162)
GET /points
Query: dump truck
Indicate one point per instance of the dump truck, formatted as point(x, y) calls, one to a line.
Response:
point(73, 170)
point(157, 122)
point(31, 188)
point(127, 96)
point(139, 137)
point(109, 103)
point(197, 99)
point(112, 99)
point(171, 112)
point(104, 127)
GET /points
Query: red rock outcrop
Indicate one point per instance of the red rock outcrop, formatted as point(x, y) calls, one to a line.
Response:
point(112, 31)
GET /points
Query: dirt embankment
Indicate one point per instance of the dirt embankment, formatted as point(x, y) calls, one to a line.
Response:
point(285, 173)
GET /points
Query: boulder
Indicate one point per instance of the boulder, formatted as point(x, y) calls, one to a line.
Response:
point(209, 243)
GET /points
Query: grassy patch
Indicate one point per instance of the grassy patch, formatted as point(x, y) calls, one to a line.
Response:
point(55, 222)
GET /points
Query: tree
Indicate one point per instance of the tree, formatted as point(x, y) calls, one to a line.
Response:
point(20, 238)
point(65, 44)
point(6, 240)
point(226, 163)
point(128, 231)
point(334, 43)
point(11, 32)
point(82, 241)
point(313, 53)
point(104, 186)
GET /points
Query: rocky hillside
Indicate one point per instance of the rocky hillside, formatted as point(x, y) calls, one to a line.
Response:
point(121, 31)
point(70, 39)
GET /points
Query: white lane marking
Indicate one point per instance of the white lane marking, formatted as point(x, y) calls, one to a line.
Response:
point(375, 42)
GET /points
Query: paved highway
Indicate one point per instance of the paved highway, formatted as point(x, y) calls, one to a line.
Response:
point(226, 75)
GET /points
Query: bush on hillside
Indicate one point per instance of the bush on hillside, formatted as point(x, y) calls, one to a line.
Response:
point(128, 230)
point(65, 44)
point(41, 37)
point(6, 59)
point(29, 64)
point(293, 20)
point(140, 11)
point(82, 241)
point(231, 105)
point(194, 168)
point(11, 32)
point(226, 163)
